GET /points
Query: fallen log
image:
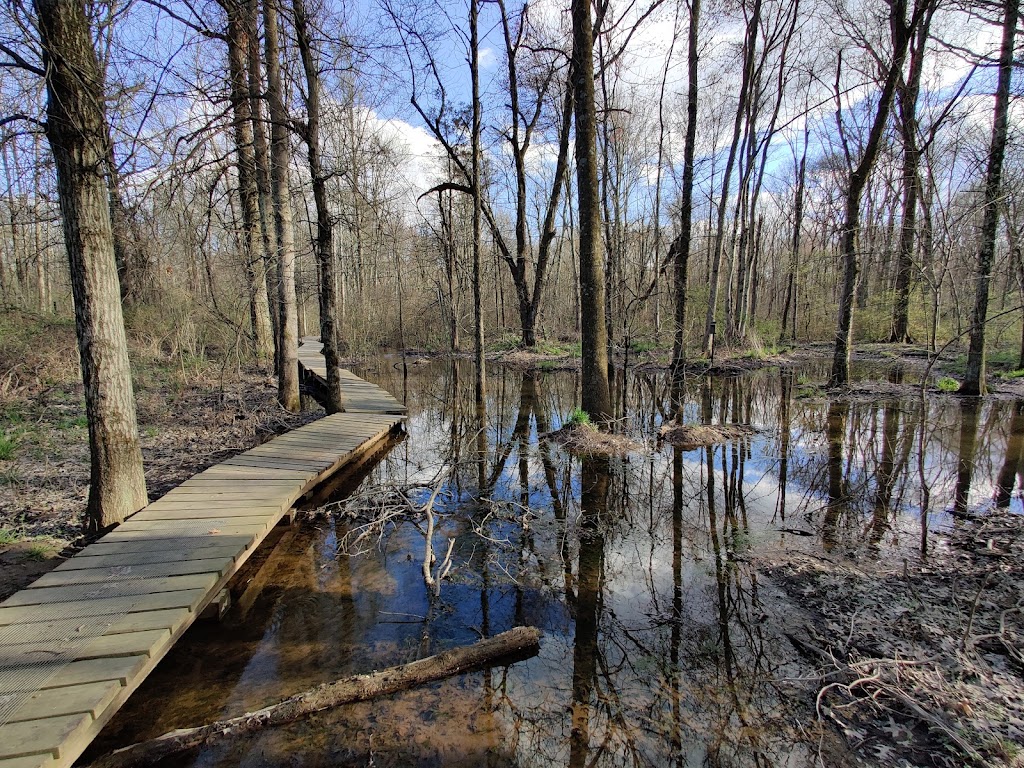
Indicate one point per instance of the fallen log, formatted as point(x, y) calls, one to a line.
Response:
point(521, 642)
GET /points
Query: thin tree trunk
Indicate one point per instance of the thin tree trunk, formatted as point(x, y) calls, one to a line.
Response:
point(682, 244)
point(596, 393)
point(76, 129)
point(974, 380)
point(475, 181)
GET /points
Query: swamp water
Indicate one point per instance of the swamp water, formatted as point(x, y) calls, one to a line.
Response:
point(662, 645)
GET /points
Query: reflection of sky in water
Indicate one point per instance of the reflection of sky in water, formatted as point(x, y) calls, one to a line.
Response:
point(679, 666)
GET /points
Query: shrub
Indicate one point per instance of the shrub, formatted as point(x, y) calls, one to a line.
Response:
point(580, 418)
point(947, 384)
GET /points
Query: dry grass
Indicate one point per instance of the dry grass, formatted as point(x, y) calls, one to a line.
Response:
point(689, 437)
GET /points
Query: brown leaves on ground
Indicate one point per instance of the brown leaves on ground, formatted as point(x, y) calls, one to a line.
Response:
point(689, 437)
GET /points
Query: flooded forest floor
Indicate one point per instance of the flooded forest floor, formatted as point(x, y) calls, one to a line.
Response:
point(896, 583)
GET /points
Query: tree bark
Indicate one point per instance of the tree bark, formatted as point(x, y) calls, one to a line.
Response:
point(974, 380)
point(681, 246)
point(288, 332)
point(475, 181)
point(324, 245)
point(76, 129)
point(596, 400)
point(521, 641)
point(252, 240)
point(901, 34)
point(907, 94)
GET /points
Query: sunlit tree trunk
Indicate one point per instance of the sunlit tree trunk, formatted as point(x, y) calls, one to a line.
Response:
point(76, 129)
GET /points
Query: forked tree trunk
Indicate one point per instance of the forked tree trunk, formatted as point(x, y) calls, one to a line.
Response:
point(974, 380)
point(901, 34)
point(76, 129)
point(288, 332)
point(596, 392)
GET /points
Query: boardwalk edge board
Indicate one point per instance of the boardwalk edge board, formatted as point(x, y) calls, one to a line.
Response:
point(79, 641)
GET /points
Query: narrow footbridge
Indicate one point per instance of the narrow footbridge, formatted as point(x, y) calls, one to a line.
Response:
point(76, 643)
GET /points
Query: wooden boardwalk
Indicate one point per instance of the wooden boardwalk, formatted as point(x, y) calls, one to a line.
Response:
point(360, 396)
point(76, 643)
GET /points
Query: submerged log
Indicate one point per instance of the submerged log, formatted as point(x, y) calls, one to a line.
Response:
point(521, 642)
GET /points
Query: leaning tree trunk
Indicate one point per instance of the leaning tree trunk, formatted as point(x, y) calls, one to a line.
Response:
point(596, 392)
point(901, 33)
point(287, 328)
point(324, 246)
point(76, 129)
point(974, 381)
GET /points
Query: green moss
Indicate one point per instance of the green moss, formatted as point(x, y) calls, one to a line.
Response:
point(947, 384)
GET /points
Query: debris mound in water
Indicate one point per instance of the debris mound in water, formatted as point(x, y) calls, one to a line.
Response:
point(585, 440)
point(701, 435)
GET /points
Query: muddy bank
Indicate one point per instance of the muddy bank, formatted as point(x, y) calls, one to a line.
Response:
point(919, 662)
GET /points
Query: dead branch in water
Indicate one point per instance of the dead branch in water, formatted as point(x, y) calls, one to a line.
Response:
point(521, 641)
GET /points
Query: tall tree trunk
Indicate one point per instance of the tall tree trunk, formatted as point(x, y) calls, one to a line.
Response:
point(974, 380)
point(76, 129)
point(901, 34)
point(324, 246)
point(261, 151)
point(907, 94)
point(248, 194)
point(288, 331)
point(681, 246)
point(716, 263)
point(596, 391)
point(475, 182)
point(794, 263)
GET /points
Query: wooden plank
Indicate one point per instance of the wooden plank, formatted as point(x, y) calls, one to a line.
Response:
point(94, 558)
point(29, 761)
point(187, 599)
point(182, 503)
point(59, 674)
point(49, 736)
point(184, 529)
point(240, 541)
point(119, 588)
point(58, 578)
point(87, 699)
point(170, 620)
point(105, 646)
point(316, 467)
point(193, 512)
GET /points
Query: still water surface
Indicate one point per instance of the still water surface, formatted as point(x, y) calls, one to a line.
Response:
point(662, 644)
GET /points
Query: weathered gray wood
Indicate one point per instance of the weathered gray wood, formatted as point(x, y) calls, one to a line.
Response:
point(82, 638)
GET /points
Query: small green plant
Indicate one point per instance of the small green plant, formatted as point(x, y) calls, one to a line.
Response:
point(548, 365)
point(78, 422)
point(642, 346)
point(40, 550)
point(8, 536)
point(580, 418)
point(1009, 375)
point(7, 446)
point(947, 384)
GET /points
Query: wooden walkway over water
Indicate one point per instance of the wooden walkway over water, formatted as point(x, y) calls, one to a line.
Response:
point(75, 644)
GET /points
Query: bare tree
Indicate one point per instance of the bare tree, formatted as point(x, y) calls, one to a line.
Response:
point(596, 391)
point(77, 131)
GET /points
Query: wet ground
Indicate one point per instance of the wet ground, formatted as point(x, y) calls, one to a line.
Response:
point(662, 643)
